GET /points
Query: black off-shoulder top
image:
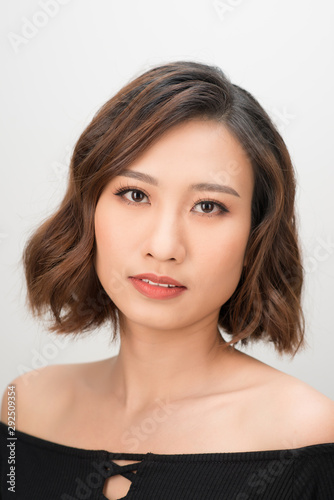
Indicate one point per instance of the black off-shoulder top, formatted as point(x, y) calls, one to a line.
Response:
point(38, 469)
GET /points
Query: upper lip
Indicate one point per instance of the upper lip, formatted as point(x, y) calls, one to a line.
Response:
point(165, 280)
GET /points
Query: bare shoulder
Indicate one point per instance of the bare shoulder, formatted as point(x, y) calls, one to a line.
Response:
point(302, 413)
point(36, 392)
point(42, 395)
point(308, 403)
point(281, 411)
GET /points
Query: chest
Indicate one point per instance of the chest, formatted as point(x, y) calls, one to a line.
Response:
point(208, 425)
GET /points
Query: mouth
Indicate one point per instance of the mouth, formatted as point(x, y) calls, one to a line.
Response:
point(157, 287)
point(159, 281)
point(155, 290)
point(159, 284)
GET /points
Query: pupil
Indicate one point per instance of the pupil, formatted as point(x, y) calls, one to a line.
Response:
point(135, 194)
point(205, 203)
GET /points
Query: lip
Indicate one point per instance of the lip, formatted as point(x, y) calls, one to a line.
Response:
point(155, 291)
point(164, 280)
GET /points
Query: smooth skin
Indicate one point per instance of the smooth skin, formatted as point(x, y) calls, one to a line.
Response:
point(171, 346)
point(174, 387)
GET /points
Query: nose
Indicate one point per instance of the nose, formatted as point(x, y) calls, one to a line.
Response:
point(165, 238)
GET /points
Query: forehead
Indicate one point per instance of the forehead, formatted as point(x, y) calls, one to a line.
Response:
point(199, 150)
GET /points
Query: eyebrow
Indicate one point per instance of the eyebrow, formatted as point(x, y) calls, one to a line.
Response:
point(202, 186)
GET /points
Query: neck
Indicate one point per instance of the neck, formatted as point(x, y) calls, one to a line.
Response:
point(168, 365)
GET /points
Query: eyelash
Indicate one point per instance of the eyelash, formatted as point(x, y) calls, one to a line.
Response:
point(122, 190)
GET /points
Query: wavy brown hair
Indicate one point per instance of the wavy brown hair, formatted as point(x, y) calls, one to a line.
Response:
point(59, 256)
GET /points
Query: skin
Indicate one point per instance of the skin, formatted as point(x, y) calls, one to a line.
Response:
point(173, 387)
point(172, 348)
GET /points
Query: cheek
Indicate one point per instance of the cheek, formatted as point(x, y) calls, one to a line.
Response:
point(222, 257)
point(103, 234)
point(110, 232)
point(115, 244)
point(106, 249)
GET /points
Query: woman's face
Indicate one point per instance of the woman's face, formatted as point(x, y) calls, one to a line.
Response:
point(197, 236)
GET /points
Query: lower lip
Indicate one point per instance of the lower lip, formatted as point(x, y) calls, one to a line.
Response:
point(155, 291)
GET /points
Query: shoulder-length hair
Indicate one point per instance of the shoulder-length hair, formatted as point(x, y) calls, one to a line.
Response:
point(59, 256)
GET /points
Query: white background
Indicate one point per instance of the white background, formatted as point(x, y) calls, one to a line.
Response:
point(55, 77)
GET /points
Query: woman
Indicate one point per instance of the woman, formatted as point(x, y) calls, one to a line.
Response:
point(178, 223)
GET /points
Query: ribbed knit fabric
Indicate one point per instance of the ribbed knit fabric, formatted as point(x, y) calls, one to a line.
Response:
point(49, 471)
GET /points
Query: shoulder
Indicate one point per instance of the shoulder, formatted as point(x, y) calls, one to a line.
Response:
point(301, 413)
point(43, 394)
point(31, 395)
point(283, 412)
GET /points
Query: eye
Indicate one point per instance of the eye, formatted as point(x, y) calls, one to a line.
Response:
point(122, 191)
point(137, 195)
point(208, 204)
